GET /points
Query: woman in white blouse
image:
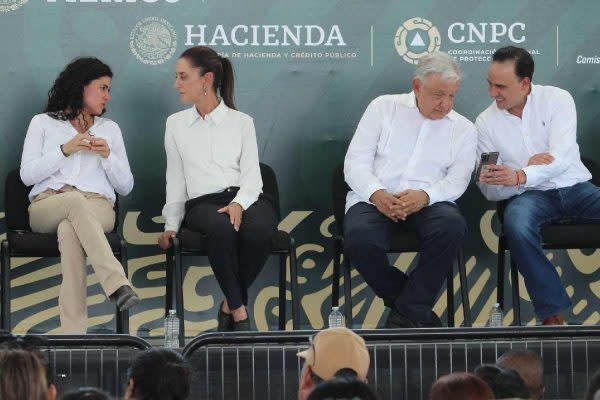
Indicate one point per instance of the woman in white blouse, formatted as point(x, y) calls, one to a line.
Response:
point(75, 161)
point(213, 180)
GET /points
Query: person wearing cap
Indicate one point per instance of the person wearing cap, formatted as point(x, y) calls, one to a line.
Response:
point(333, 352)
point(411, 157)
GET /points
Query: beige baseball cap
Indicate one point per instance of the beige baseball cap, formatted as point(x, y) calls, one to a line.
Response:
point(334, 349)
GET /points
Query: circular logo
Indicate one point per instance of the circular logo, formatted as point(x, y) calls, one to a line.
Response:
point(11, 5)
point(415, 38)
point(153, 40)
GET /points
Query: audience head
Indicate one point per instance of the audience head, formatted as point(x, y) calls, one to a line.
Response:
point(86, 393)
point(83, 87)
point(529, 366)
point(334, 352)
point(509, 77)
point(201, 72)
point(342, 388)
point(435, 84)
point(505, 383)
point(593, 389)
point(460, 386)
point(158, 374)
point(23, 376)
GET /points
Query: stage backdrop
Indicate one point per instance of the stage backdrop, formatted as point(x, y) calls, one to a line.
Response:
point(305, 70)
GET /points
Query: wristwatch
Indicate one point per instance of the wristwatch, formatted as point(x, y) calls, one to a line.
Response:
point(62, 151)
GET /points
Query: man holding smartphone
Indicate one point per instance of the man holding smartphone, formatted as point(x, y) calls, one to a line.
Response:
point(534, 129)
point(410, 158)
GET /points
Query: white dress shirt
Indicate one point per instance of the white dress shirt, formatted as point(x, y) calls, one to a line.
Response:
point(548, 125)
point(207, 156)
point(44, 165)
point(396, 148)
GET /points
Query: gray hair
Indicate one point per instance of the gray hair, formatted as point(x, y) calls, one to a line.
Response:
point(438, 62)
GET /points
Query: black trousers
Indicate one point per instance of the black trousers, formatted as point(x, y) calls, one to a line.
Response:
point(367, 234)
point(236, 258)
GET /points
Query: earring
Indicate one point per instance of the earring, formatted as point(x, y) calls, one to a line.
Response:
point(205, 91)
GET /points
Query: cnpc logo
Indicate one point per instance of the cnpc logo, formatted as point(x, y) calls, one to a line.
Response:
point(418, 36)
point(113, 1)
point(486, 32)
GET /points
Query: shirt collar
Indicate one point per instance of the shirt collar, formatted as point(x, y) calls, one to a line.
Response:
point(217, 115)
point(411, 102)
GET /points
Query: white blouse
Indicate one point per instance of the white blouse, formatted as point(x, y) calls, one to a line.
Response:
point(44, 165)
point(207, 156)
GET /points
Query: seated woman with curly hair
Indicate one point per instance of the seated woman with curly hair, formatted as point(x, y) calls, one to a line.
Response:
point(76, 161)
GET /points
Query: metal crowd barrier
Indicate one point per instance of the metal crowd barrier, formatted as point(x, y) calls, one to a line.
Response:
point(91, 360)
point(404, 363)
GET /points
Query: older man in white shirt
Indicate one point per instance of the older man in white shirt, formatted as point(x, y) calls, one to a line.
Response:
point(534, 129)
point(410, 158)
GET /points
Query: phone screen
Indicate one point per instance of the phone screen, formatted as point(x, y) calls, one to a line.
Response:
point(490, 158)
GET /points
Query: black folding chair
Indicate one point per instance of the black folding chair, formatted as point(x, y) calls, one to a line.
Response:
point(554, 236)
point(190, 243)
point(22, 242)
point(402, 241)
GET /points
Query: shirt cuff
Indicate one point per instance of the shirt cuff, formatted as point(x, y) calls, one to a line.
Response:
point(244, 200)
point(172, 226)
point(534, 178)
point(372, 189)
point(434, 195)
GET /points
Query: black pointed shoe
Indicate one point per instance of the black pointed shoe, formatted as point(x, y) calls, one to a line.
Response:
point(224, 321)
point(241, 326)
point(124, 297)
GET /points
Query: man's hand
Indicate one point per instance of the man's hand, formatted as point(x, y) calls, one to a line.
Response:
point(541, 159)
point(100, 147)
point(164, 239)
point(388, 205)
point(412, 201)
point(502, 175)
point(235, 214)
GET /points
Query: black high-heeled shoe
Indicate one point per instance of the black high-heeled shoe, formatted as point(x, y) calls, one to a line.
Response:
point(224, 321)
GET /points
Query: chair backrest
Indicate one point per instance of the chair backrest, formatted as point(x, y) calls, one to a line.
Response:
point(270, 186)
point(594, 168)
point(16, 203)
point(339, 190)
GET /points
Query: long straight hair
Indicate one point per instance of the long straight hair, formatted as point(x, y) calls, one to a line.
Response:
point(22, 376)
point(208, 60)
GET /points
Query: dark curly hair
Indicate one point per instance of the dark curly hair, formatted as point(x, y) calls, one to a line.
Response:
point(65, 98)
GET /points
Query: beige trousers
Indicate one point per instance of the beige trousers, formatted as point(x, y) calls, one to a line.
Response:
point(80, 220)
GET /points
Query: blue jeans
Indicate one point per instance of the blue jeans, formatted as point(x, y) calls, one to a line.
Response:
point(524, 216)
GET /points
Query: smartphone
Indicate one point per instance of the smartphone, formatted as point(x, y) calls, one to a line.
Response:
point(490, 158)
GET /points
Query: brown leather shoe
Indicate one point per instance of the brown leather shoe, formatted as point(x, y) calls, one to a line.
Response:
point(558, 319)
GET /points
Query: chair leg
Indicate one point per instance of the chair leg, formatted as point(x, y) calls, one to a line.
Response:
point(450, 297)
point(464, 287)
point(169, 277)
point(514, 273)
point(282, 290)
point(5, 272)
point(178, 289)
point(500, 270)
point(347, 291)
point(294, 285)
point(335, 275)
point(123, 316)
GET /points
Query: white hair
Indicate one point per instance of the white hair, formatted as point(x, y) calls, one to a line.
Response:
point(440, 63)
